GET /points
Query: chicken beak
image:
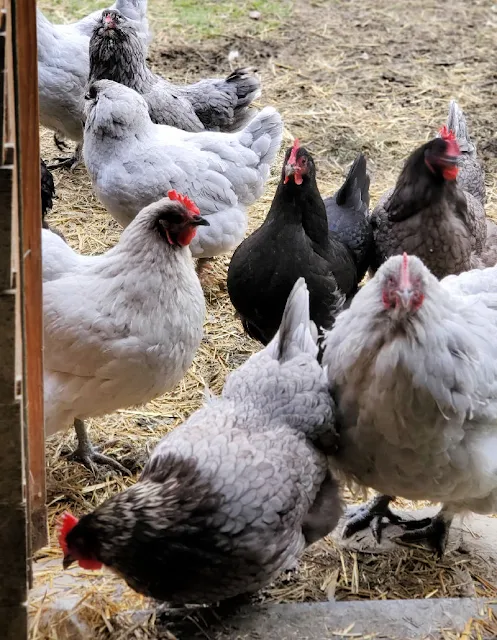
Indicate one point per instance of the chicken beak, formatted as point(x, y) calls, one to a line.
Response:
point(198, 221)
point(289, 171)
point(68, 561)
point(405, 297)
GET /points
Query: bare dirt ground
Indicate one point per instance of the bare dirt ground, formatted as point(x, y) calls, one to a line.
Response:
point(372, 76)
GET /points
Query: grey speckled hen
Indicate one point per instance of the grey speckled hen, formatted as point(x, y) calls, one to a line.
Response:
point(413, 369)
point(429, 215)
point(231, 497)
point(216, 104)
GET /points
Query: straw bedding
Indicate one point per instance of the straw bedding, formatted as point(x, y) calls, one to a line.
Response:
point(373, 76)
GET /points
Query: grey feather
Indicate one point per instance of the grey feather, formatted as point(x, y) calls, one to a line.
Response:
point(231, 497)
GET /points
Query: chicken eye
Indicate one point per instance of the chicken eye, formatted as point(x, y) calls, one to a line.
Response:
point(173, 218)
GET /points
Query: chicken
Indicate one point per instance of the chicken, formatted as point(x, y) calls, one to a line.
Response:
point(63, 68)
point(47, 197)
point(412, 365)
point(47, 192)
point(348, 215)
point(132, 162)
point(488, 255)
point(428, 215)
point(121, 328)
point(117, 53)
point(471, 176)
point(292, 242)
point(232, 497)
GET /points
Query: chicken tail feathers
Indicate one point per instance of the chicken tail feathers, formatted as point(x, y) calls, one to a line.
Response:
point(263, 136)
point(248, 85)
point(248, 89)
point(354, 192)
point(456, 122)
point(297, 333)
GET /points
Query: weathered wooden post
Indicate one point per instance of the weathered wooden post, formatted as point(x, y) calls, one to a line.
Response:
point(22, 462)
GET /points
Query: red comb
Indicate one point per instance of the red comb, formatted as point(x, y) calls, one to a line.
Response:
point(293, 156)
point(66, 523)
point(446, 134)
point(452, 146)
point(185, 201)
point(405, 280)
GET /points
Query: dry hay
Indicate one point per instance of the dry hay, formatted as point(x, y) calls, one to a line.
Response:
point(370, 76)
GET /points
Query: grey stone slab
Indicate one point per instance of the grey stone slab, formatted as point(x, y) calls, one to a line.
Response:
point(386, 620)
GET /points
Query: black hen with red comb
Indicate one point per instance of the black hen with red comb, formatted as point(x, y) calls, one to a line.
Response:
point(294, 241)
point(428, 215)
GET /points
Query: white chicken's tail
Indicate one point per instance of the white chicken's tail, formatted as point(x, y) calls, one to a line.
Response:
point(263, 136)
point(297, 333)
point(456, 122)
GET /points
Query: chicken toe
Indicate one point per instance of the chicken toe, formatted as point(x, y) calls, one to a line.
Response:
point(435, 532)
point(69, 162)
point(89, 455)
point(373, 514)
point(60, 143)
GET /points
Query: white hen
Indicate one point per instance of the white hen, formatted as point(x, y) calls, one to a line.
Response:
point(64, 66)
point(121, 328)
point(132, 162)
point(413, 366)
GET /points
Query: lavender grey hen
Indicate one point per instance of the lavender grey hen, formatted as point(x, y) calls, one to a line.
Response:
point(348, 215)
point(233, 496)
point(118, 54)
point(413, 369)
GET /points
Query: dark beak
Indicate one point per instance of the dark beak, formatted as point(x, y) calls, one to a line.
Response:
point(198, 221)
point(68, 561)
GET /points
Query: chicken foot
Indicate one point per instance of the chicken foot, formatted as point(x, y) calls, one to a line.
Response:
point(435, 533)
point(374, 513)
point(89, 455)
point(70, 162)
point(60, 143)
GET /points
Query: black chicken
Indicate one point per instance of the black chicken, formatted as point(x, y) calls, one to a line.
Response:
point(47, 196)
point(348, 215)
point(293, 241)
point(47, 192)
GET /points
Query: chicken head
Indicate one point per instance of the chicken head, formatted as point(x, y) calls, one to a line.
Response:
point(402, 285)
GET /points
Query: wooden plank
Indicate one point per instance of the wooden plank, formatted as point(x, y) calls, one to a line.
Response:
point(6, 186)
point(25, 62)
point(13, 509)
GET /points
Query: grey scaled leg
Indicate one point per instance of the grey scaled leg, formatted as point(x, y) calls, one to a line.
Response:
point(88, 455)
point(374, 513)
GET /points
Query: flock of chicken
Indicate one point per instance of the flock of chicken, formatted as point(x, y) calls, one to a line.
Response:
point(392, 384)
